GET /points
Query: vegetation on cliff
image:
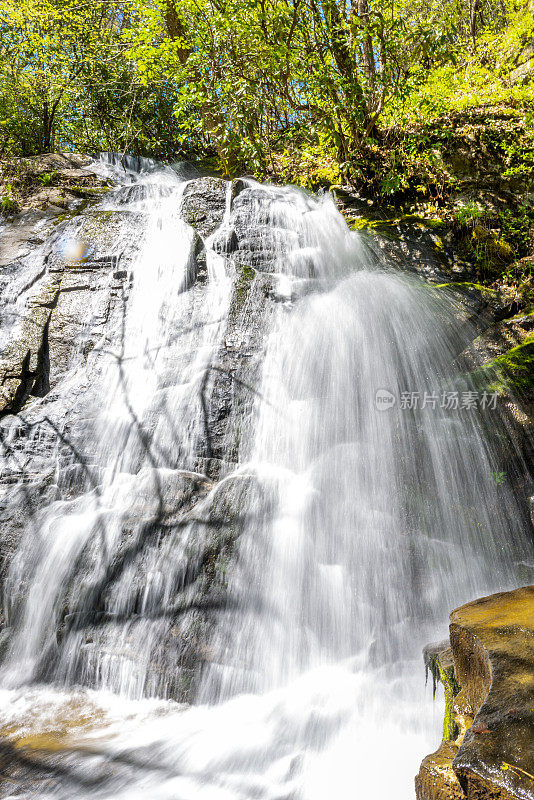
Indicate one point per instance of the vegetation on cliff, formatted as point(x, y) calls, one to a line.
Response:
point(420, 106)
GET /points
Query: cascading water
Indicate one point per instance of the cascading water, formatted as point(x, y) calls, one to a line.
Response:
point(238, 522)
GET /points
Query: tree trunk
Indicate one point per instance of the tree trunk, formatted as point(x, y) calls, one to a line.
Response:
point(473, 11)
point(369, 64)
point(45, 138)
point(49, 116)
point(356, 114)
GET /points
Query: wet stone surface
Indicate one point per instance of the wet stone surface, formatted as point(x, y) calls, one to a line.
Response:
point(490, 752)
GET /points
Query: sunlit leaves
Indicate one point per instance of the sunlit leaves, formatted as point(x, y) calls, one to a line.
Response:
point(246, 78)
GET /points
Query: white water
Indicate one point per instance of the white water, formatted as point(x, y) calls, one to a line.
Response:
point(362, 530)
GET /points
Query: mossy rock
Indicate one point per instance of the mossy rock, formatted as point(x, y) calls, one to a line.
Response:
point(245, 276)
point(466, 286)
point(512, 372)
point(500, 251)
point(430, 223)
point(439, 662)
point(389, 228)
point(497, 250)
point(492, 641)
point(472, 290)
point(492, 650)
point(87, 191)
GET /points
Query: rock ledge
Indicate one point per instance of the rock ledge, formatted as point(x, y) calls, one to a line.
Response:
point(488, 749)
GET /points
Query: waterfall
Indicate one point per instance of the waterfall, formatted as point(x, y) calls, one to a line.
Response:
point(264, 502)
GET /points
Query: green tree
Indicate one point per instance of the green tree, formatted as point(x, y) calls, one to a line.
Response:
point(65, 81)
point(249, 71)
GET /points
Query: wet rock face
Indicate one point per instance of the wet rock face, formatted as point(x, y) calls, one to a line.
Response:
point(413, 247)
point(436, 779)
point(67, 294)
point(497, 752)
point(52, 298)
point(45, 298)
point(204, 203)
point(490, 752)
point(250, 240)
point(55, 308)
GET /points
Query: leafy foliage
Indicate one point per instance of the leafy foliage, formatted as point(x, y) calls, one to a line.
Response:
point(308, 90)
point(66, 84)
point(255, 76)
point(7, 204)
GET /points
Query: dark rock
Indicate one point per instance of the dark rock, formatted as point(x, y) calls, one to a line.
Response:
point(203, 204)
point(225, 242)
point(413, 247)
point(238, 185)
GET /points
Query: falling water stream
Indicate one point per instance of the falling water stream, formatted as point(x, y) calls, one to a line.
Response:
point(295, 538)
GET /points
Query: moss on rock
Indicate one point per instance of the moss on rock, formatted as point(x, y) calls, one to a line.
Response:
point(245, 276)
point(510, 372)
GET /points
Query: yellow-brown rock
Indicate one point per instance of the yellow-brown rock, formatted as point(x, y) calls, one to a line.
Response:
point(492, 642)
point(436, 779)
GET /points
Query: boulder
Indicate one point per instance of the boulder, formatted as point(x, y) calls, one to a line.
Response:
point(203, 204)
point(489, 751)
point(74, 280)
point(493, 644)
point(23, 368)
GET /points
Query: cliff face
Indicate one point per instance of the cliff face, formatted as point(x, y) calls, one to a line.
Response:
point(488, 674)
point(65, 284)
